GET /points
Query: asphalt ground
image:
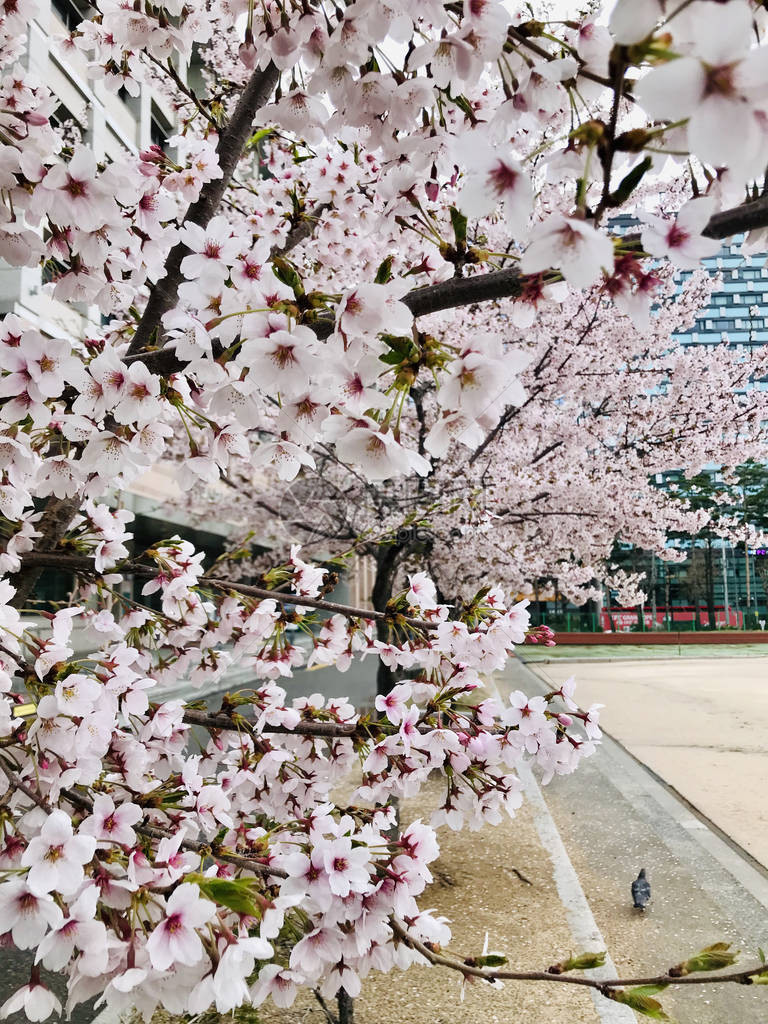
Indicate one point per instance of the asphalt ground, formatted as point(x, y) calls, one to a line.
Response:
point(615, 817)
point(700, 724)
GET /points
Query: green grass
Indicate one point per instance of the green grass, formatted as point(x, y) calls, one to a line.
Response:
point(638, 652)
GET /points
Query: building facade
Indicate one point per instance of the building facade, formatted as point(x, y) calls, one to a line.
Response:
point(107, 123)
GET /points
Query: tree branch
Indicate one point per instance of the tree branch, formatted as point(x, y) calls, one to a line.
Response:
point(55, 521)
point(231, 142)
point(464, 291)
point(469, 970)
point(85, 564)
point(156, 832)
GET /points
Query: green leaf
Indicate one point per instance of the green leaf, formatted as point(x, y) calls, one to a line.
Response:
point(384, 273)
point(638, 1000)
point(459, 225)
point(262, 133)
point(711, 958)
point(761, 954)
point(491, 960)
point(629, 183)
point(584, 962)
point(285, 271)
point(236, 894)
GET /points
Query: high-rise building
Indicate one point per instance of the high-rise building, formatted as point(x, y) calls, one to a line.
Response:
point(738, 308)
point(736, 582)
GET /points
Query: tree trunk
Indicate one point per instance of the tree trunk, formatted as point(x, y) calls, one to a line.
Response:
point(346, 1007)
point(387, 560)
point(653, 591)
point(710, 580)
point(667, 582)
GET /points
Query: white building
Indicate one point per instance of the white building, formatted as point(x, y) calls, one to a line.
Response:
point(108, 124)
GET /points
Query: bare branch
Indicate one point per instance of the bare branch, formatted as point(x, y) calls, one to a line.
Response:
point(468, 968)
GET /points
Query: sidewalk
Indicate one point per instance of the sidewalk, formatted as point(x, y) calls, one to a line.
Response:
point(614, 818)
point(701, 725)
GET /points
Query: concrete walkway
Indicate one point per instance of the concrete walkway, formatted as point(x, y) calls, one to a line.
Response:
point(701, 725)
point(614, 817)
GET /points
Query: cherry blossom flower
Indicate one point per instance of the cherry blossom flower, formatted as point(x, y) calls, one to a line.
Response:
point(56, 856)
point(393, 704)
point(346, 866)
point(112, 824)
point(494, 177)
point(718, 89)
point(422, 593)
point(681, 240)
point(79, 931)
point(37, 1002)
point(214, 249)
point(25, 915)
point(71, 192)
point(175, 939)
point(373, 450)
point(281, 362)
point(580, 251)
point(634, 20)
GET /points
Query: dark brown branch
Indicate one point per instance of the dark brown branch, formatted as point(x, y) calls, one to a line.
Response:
point(55, 521)
point(302, 231)
point(22, 787)
point(205, 849)
point(193, 845)
point(748, 217)
point(498, 284)
point(231, 143)
point(330, 730)
point(85, 564)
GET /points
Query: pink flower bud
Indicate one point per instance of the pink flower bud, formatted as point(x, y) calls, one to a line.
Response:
point(36, 120)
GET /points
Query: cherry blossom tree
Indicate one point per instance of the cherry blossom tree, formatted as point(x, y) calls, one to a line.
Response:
point(288, 275)
point(490, 499)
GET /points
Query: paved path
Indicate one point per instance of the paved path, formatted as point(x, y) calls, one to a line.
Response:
point(614, 818)
point(702, 725)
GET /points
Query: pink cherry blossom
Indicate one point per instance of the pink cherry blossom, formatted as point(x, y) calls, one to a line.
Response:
point(681, 240)
point(580, 251)
point(175, 939)
point(56, 856)
point(112, 824)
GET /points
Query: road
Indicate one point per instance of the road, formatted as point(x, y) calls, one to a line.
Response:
point(607, 821)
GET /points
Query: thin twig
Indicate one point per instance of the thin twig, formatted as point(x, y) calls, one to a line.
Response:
point(467, 968)
point(324, 1007)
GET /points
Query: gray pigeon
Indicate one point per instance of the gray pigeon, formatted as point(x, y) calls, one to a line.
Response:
point(641, 891)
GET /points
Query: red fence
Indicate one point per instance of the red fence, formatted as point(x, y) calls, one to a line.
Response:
point(714, 637)
point(622, 620)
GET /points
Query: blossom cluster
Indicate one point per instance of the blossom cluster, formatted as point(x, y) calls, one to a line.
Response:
point(163, 877)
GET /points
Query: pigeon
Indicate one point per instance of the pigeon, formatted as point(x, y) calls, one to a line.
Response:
point(641, 891)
